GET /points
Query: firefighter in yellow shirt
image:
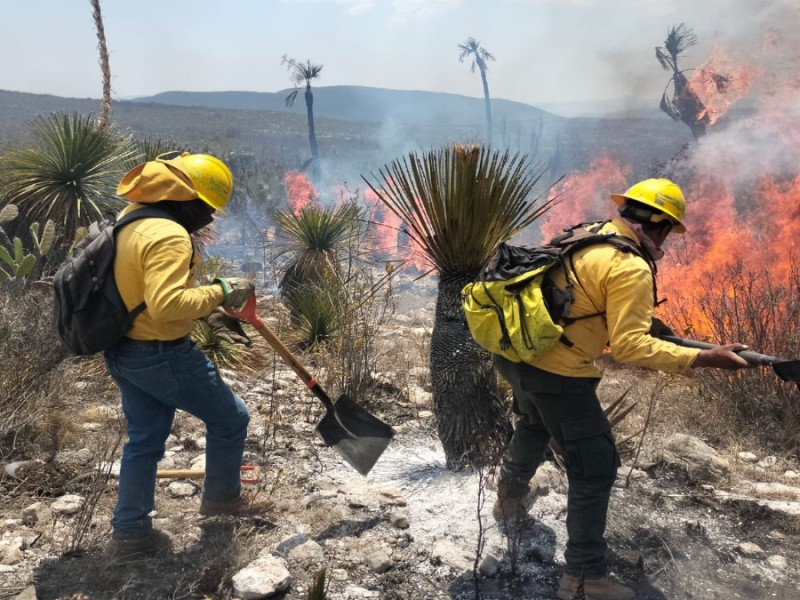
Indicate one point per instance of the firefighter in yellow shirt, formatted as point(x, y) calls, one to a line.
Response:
point(157, 367)
point(555, 395)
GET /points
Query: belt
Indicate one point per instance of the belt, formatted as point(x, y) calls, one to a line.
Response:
point(155, 343)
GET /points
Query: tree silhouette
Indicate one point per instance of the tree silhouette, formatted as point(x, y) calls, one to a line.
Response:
point(301, 73)
point(684, 105)
point(480, 55)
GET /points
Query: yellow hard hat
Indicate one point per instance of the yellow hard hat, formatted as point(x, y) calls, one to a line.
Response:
point(661, 194)
point(212, 178)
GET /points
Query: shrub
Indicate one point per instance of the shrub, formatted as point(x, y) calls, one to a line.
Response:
point(29, 352)
point(747, 306)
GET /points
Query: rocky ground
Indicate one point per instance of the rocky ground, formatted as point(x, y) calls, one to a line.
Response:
point(686, 522)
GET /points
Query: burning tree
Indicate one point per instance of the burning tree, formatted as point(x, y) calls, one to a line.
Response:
point(301, 73)
point(457, 204)
point(685, 105)
point(480, 55)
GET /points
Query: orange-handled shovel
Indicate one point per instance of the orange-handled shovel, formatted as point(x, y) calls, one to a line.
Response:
point(356, 435)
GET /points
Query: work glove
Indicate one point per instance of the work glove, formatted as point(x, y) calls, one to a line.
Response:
point(659, 329)
point(227, 328)
point(236, 289)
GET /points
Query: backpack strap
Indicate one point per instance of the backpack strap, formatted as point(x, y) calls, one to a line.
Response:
point(583, 235)
point(146, 212)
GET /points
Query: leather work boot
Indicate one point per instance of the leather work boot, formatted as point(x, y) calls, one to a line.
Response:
point(246, 504)
point(602, 588)
point(512, 509)
point(153, 543)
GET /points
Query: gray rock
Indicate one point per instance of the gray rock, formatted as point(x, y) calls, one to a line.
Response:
point(301, 549)
point(445, 551)
point(264, 577)
point(68, 504)
point(399, 520)
point(767, 462)
point(380, 561)
point(700, 460)
point(181, 489)
point(777, 562)
point(750, 550)
point(38, 512)
point(490, 566)
point(11, 554)
point(29, 593)
point(747, 457)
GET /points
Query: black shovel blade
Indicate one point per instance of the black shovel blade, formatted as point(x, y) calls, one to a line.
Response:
point(356, 435)
point(788, 370)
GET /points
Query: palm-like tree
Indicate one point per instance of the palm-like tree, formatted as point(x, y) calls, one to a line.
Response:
point(304, 73)
point(480, 55)
point(458, 203)
point(684, 105)
point(105, 68)
point(66, 172)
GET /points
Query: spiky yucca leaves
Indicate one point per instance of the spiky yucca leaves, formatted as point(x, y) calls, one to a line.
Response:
point(318, 312)
point(457, 204)
point(66, 172)
point(223, 353)
point(148, 148)
point(318, 587)
point(314, 240)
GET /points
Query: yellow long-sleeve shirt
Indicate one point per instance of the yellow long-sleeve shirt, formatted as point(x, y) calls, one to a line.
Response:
point(620, 284)
point(155, 262)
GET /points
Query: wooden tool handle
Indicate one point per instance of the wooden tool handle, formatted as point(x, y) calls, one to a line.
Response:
point(284, 352)
point(180, 474)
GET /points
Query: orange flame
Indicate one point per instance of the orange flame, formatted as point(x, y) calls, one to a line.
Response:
point(585, 196)
point(388, 234)
point(299, 190)
point(719, 83)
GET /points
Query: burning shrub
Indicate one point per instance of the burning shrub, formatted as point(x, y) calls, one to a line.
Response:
point(749, 306)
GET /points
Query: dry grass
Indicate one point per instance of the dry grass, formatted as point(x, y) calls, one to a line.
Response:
point(29, 353)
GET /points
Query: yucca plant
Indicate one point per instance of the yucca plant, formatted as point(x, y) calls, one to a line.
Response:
point(318, 587)
point(314, 241)
point(148, 148)
point(318, 312)
point(223, 353)
point(66, 172)
point(457, 204)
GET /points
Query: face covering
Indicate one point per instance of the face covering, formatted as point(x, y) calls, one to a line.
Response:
point(645, 240)
point(192, 214)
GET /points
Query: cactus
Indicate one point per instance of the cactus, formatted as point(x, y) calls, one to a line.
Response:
point(19, 263)
point(45, 242)
point(8, 214)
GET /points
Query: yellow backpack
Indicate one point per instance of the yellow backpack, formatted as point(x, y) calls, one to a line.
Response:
point(514, 310)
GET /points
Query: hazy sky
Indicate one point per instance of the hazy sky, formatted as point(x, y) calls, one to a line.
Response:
point(546, 50)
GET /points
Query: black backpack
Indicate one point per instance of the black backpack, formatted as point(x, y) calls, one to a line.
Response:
point(89, 312)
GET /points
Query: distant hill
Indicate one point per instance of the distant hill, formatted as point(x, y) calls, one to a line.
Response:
point(365, 104)
point(359, 129)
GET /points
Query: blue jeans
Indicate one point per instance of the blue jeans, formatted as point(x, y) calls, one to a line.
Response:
point(155, 378)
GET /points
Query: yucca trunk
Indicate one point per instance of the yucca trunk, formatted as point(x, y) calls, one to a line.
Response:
point(487, 102)
point(312, 136)
point(473, 421)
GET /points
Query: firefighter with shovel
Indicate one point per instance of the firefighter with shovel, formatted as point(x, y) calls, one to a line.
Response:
point(156, 366)
point(555, 394)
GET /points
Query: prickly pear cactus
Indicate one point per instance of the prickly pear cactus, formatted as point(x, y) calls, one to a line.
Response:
point(15, 262)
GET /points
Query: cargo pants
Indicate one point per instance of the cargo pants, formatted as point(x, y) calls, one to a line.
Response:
point(568, 410)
